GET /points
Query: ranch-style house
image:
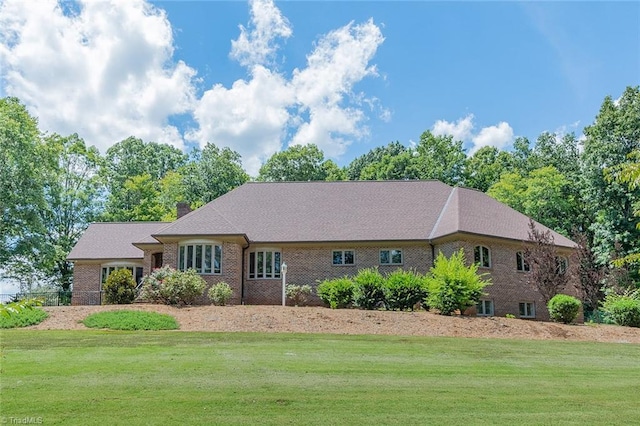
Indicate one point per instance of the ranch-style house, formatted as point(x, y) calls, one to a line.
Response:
point(322, 230)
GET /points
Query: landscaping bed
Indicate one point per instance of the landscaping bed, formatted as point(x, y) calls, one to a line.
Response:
point(347, 321)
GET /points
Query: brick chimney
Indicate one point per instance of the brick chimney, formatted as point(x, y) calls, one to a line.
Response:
point(183, 209)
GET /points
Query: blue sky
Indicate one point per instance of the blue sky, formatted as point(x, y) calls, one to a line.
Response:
point(177, 71)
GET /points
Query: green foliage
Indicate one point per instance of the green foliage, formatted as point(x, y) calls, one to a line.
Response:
point(614, 135)
point(510, 316)
point(298, 294)
point(120, 287)
point(369, 289)
point(452, 285)
point(296, 163)
point(21, 317)
point(220, 293)
point(623, 309)
point(404, 290)
point(336, 293)
point(171, 287)
point(372, 159)
point(441, 158)
point(211, 173)
point(18, 306)
point(131, 320)
point(485, 166)
point(563, 308)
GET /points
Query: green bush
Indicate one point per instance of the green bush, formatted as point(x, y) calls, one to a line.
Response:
point(623, 309)
point(336, 293)
point(404, 290)
point(120, 287)
point(171, 287)
point(220, 294)
point(563, 308)
point(298, 294)
point(131, 320)
point(21, 316)
point(452, 285)
point(368, 292)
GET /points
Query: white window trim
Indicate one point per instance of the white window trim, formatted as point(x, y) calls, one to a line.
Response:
point(565, 261)
point(484, 314)
point(202, 243)
point(391, 263)
point(343, 257)
point(118, 265)
point(480, 263)
point(276, 275)
point(531, 314)
point(525, 269)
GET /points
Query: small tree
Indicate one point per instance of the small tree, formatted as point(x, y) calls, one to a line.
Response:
point(454, 286)
point(120, 287)
point(587, 274)
point(546, 272)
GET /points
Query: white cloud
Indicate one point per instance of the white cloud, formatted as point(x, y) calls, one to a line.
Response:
point(104, 72)
point(316, 105)
point(499, 136)
point(461, 130)
point(257, 45)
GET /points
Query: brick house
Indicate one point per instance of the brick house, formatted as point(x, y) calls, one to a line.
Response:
point(322, 230)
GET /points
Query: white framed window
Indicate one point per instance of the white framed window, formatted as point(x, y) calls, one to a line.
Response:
point(265, 264)
point(527, 310)
point(343, 257)
point(485, 308)
point(205, 258)
point(561, 265)
point(136, 271)
point(521, 264)
point(391, 257)
point(482, 256)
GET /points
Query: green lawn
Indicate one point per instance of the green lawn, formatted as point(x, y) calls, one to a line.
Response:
point(109, 377)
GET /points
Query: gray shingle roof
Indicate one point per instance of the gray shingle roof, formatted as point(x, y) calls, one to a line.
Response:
point(114, 240)
point(323, 212)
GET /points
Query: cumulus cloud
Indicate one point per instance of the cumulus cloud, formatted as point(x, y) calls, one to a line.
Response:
point(500, 136)
point(105, 71)
point(461, 130)
point(258, 44)
point(315, 105)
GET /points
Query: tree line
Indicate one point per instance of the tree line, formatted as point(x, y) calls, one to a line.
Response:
point(53, 186)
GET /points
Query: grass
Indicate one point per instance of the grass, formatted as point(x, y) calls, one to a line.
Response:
point(115, 377)
point(23, 318)
point(131, 320)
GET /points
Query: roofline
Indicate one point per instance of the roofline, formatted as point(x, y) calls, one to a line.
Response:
point(183, 236)
point(475, 234)
point(412, 240)
point(82, 259)
point(340, 181)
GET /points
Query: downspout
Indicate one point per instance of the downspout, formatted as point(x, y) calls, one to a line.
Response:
point(242, 296)
point(433, 254)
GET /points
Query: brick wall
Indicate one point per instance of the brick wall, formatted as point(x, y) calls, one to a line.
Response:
point(86, 284)
point(509, 286)
point(307, 265)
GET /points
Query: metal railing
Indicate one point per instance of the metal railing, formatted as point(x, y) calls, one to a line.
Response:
point(49, 298)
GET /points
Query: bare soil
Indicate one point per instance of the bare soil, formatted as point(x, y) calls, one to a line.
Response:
point(278, 319)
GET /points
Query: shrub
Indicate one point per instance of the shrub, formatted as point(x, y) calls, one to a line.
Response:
point(368, 292)
point(22, 317)
point(336, 293)
point(131, 320)
point(171, 287)
point(623, 309)
point(119, 288)
point(404, 290)
point(452, 285)
point(563, 308)
point(220, 293)
point(298, 294)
